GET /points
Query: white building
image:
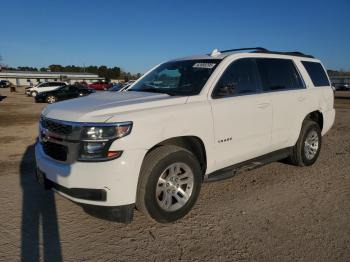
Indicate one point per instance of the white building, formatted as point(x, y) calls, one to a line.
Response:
point(24, 78)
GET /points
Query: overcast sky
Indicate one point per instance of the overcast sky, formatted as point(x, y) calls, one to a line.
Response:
point(137, 35)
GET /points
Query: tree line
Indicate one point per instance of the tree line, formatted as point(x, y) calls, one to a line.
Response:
point(102, 71)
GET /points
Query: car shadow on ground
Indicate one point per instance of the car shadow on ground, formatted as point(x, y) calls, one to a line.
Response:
point(39, 216)
point(2, 97)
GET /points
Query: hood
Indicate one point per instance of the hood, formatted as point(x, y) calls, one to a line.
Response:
point(99, 107)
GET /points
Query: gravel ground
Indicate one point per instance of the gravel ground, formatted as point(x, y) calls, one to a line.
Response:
point(276, 213)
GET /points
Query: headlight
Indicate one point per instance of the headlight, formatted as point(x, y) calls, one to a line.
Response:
point(96, 141)
point(107, 132)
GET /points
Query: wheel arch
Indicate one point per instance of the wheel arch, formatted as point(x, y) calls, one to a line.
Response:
point(191, 143)
point(317, 117)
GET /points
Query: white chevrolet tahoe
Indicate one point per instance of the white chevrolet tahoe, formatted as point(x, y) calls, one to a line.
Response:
point(189, 120)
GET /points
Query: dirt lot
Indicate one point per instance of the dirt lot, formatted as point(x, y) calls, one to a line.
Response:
point(275, 213)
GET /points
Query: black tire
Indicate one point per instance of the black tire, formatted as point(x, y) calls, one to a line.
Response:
point(51, 99)
point(298, 156)
point(152, 168)
point(33, 93)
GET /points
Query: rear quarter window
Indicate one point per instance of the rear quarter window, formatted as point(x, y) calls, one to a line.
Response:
point(278, 74)
point(316, 73)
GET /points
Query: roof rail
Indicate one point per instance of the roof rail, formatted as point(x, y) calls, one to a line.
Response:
point(294, 53)
point(245, 48)
point(260, 50)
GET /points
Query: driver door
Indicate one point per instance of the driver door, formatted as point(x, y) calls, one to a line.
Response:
point(242, 114)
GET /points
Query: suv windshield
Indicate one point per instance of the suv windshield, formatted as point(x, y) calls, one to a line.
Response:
point(178, 78)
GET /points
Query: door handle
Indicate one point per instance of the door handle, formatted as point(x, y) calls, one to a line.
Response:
point(263, 105)
point(301, 98)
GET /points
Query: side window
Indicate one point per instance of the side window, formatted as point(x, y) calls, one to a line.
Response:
point(72, 89)
point(278, 74)
point(44, 85)
point(65, 89)
point(240, 78)
point(316, 73)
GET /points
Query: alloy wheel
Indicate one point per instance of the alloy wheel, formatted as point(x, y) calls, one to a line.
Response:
point(174, 187)
point(311, 145)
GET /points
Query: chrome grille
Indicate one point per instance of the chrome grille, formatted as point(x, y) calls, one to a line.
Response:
point(56, 127)
point(60, 140)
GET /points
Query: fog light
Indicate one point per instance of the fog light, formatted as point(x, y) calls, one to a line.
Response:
point(93, 148)
point(98, 151)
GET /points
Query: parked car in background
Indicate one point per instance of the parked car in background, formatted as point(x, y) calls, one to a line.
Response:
point(63, 93)
point(43, 87)
point(342, 87)
point(127, 85)
point(81, 83)
point(100, 85)
point(118, 87)
point(4, 83)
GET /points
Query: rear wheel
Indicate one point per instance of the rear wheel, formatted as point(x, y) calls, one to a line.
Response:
point(169, 183)
point(51, 99)
point(308, 147)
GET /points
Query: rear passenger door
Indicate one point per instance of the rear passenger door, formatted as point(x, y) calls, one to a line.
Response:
point(282, 81)
point(242, 114)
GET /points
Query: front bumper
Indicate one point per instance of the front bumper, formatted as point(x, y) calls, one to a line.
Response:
point(118, 178)
point(123, 214)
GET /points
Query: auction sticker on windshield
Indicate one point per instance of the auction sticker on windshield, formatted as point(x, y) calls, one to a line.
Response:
point(204, 65)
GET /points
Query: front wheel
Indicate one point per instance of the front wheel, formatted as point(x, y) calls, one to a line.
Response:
point(308, 147)
point(169, 183)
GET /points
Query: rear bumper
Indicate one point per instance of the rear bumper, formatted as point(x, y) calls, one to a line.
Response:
point(328, 120)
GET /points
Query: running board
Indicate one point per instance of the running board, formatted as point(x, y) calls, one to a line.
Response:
point(248, 165)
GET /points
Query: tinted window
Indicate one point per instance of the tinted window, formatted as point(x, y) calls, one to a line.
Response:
point(316, 73)
point(278, 74)
point(239, 78)
point(72, 89)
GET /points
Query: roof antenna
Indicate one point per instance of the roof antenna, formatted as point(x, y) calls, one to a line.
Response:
point(215, 52)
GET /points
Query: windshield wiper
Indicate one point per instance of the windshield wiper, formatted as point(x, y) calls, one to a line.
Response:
point(153, 90)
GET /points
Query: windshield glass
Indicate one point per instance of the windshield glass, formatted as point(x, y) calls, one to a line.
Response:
point(183, 78)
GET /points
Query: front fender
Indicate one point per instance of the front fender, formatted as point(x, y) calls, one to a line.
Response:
point(152, 126)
